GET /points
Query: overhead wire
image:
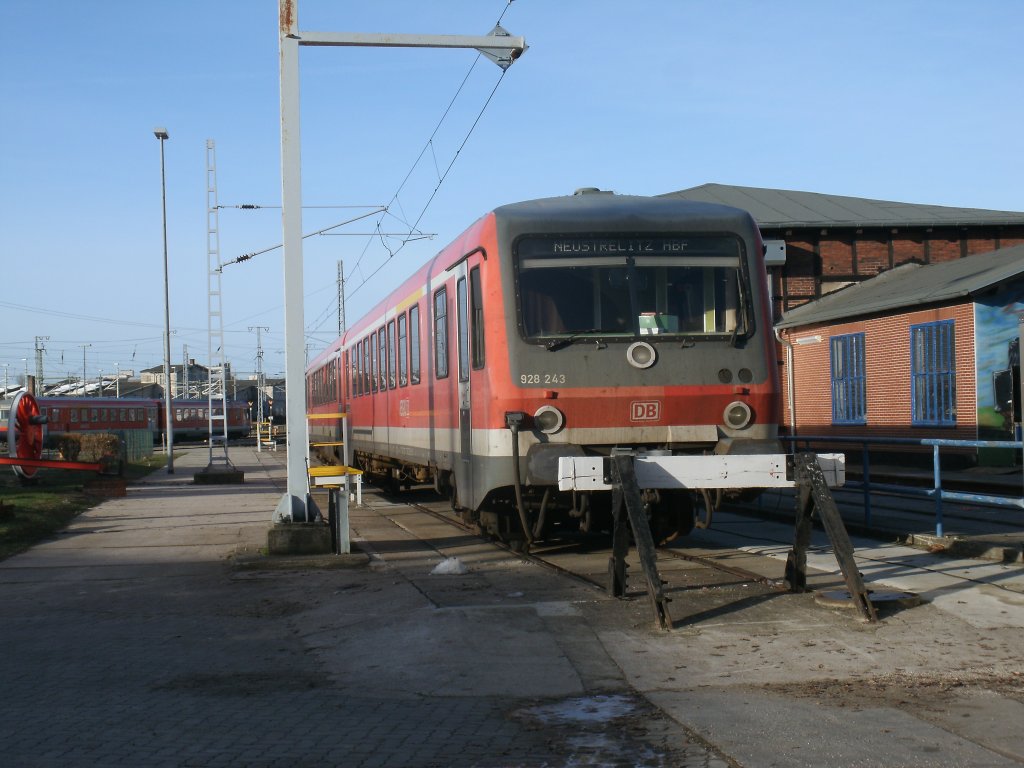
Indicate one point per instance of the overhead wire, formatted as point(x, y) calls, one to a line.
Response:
point(441, 176)
point(413, 235)
point(406, 240)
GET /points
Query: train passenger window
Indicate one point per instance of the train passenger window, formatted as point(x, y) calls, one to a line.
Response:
point(131, 414)
point(357, 361)
point(441, 333)
point(476, 311)
point(353, 372)
point(414, 344)
point(462, 312)
point(84, 415)
point(73, 412)
point(94, 414)
point(403, 350)
point(366, 366)
point(373, 362)
point(347, 389)
point(177, 414)
point(357, 370)
point(392, 382)
point(103, 414)
point(382, 354)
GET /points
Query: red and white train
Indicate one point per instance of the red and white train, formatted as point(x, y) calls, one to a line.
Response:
point(583, 325)
point(189, 420)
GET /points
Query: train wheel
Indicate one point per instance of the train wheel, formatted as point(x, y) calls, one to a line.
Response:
point(501, 522)
point(672, 515)
point(453, 494)
point(25, 433)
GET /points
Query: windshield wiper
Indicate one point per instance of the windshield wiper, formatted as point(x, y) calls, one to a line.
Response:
point(556, 344)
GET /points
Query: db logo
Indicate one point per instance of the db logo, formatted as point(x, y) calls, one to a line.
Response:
point(645, 410)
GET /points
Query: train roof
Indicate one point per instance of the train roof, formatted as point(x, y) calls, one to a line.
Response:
point(126, 402)
point(584, 210)
point(590, 210)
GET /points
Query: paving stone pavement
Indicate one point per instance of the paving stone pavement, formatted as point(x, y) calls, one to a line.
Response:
point(132, 640)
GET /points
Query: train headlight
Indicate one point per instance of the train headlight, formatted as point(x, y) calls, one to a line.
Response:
point(640, 354)
point(548, 419)
point(737, 415)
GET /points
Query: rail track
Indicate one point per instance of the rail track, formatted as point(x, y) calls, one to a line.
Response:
point(702, 579)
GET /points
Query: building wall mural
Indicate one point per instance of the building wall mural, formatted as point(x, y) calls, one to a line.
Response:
point(997, 350)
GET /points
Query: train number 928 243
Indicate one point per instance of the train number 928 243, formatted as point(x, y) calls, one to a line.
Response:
point(542, 378)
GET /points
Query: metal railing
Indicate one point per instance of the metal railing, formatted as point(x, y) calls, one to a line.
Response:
point(936, 492)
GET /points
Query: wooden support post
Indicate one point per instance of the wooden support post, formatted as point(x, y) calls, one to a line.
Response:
point(625, 486)
point(620, 546)
point(796, 563)
point(813, 494)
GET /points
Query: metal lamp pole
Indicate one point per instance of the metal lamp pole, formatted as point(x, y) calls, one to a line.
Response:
point(162, 135)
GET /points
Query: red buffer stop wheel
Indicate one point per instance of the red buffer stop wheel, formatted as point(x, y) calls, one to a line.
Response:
point(25, 432)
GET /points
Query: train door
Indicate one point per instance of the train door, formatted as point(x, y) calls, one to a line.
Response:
point(464, 462)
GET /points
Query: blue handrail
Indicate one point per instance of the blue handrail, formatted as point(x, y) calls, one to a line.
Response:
point(937, 492)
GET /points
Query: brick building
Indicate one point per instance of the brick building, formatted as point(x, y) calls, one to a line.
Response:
point(832, 241)
point(919, 351)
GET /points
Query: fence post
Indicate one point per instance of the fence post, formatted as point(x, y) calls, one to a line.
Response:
point(866, 479)
point(937, 474)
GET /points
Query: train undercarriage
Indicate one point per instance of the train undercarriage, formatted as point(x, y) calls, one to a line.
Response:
point(538, 511)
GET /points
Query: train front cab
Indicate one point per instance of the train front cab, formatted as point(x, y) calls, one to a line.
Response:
point(619, 339)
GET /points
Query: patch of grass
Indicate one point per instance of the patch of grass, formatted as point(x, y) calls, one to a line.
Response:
point(32, 512)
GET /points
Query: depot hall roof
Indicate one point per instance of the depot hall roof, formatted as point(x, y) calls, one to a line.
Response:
point(783, 209)
point(912, 285)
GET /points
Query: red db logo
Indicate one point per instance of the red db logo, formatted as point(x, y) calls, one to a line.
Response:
point(645, 410)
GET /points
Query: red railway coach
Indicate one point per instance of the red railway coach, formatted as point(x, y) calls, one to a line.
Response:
point(590, 324)
point(97, 414)
point(190, 418)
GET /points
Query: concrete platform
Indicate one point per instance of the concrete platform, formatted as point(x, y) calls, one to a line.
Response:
point(156, 631)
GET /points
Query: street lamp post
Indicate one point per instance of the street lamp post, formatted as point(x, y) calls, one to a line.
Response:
point(162, 135)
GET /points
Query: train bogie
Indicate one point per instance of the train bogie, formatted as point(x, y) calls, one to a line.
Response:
point(587, 325)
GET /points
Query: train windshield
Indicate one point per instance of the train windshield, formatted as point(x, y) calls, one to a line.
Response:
point(613, 286)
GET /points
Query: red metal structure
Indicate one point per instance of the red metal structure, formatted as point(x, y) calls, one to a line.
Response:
point(26, 427)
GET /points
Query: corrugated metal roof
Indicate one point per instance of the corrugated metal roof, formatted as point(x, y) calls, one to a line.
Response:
point(911, 285)
point(779, 208)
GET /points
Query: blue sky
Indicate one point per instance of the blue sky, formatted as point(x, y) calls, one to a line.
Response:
point(910, 101)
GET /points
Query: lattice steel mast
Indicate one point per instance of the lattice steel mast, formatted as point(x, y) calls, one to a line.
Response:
point(217, 401)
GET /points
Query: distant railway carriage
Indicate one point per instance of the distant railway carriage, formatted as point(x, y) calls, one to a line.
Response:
point(582, 325)
point(190, 418)
point(100, 414)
